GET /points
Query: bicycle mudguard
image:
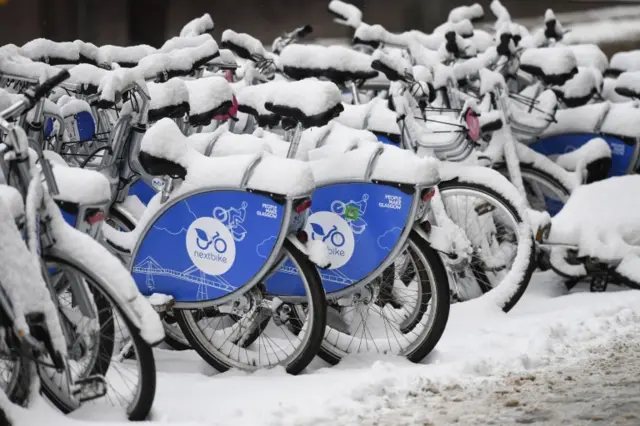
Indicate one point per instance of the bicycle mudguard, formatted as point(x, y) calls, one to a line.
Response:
point(362, 224)
point(622, 149)
point(207, 245)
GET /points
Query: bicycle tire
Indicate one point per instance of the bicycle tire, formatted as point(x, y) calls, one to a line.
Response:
point(305, 355)
point(146, 361)
point(172, 335)
point(421, 253)
point(522, 283)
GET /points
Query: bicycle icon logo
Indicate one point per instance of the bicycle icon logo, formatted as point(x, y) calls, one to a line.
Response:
point(352, 213)
point(334, 236)
point(204, 242)
point(233, 219)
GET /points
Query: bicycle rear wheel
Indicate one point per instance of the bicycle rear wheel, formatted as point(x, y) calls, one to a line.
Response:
point(130, 381)
point(406, 314)
point(259, 330)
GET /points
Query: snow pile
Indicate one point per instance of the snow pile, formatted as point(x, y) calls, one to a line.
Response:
point(12, 200)
point(601, 219)
point(178, 62)
point(169, 94)
point(116, 82)
point(578, 159)
point(87, 76)
point(198, 26)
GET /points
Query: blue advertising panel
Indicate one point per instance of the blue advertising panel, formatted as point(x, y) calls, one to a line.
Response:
point(207, 245)
point(360, 223)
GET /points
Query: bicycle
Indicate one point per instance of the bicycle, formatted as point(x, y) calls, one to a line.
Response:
point(102, 290)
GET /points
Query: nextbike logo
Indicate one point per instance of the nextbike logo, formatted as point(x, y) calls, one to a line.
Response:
point(391, 202)
point(336, 233)
point(617, 148)
point(211, 246)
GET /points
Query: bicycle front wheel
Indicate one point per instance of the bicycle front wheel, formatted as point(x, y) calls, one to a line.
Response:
point(503, 247)
point(109, 345)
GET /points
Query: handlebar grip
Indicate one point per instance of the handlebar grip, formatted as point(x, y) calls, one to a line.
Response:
point(390, 73)
point(43, 89)
point(304, 31)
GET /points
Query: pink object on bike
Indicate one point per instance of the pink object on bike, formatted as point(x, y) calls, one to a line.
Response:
point(233, 111)
point(473, 125)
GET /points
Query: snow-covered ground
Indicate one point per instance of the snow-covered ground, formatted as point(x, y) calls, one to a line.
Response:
point(555, 358)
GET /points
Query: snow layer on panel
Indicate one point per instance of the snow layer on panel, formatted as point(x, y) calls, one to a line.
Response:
point(403, 166)
point(623, 119)
point(601, 219)
point(197, 26)
point(595, 149)
point(208, 93)
point(344, 166)
point(282, 176)
point(551, 60)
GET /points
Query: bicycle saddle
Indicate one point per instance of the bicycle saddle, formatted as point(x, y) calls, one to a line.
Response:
point(51, 52)
point(580, 89)
point(251, 100)
point(126, 57)
point(244, 45)
point(177, 63)
point(628, 84)
point(168, 100)
point(623, 62)
point(335, 63)
point(310, 102)
point(553, 65)
point(208, 97)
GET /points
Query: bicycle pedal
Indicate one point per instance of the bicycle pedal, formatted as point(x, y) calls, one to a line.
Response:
point(161, 303)
point(90, 388)
point(599, 283)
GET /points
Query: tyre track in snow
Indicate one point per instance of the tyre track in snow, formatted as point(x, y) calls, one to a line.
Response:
point(602, 388)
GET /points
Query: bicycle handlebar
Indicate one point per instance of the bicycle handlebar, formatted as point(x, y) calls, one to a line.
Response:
point(42, 90)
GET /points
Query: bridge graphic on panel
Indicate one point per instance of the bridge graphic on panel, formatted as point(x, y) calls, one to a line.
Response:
point(334, 276)
point(150, 268)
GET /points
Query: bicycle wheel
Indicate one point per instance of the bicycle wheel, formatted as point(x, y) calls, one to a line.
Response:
point(257, 330)
point(130, 382)
point(544, 192)
point(172, 334)
point(503, 253)
point(15, 376)
point(404, 312)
